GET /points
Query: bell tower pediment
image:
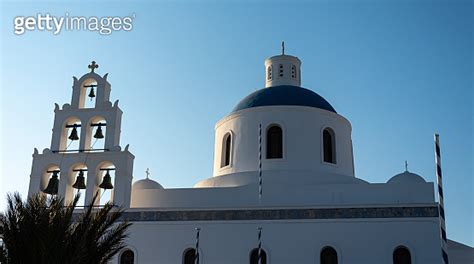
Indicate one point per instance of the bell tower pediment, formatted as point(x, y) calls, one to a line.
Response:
point(91, 85)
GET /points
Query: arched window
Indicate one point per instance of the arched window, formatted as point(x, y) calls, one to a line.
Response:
point(274, 142)
point(328, 256)
point(71, 137)
point(269, 73)
point(189, 256)
point(226, 150)
point(254, 256)
point(401, 255)
point(329, 146)
point(88, 94)
point(97, 132)
point(127, 257)
point(293, 71)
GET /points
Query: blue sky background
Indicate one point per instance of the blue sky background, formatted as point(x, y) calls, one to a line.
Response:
point(398, 70)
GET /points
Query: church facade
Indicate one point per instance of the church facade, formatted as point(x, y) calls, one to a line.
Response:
point(283, 188)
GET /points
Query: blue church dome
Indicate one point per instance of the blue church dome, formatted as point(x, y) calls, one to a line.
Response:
point(284, 95)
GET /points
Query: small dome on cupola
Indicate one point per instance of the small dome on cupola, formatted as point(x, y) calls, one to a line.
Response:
point(406, 177)
point(146, 184)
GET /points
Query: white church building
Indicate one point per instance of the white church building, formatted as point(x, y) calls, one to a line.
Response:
point(283, 188)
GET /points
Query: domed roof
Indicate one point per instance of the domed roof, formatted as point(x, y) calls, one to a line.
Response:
point(146, 184)
point(406, 177)
point(284, 95)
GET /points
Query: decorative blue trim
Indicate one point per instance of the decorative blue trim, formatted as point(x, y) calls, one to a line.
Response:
point(281, 214)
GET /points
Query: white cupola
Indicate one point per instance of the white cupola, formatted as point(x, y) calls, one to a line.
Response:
point(282, 70)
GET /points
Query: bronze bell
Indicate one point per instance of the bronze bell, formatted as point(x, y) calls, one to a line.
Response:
point(98, 133)
point(91, 93)
point(80, 181)
point(106, 182)
point(53, 184)
point(74, 135)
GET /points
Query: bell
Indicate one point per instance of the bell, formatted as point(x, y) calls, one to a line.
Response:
point(73, 135)
point(80, 181)
point(91, 93)
point(53, 184)
point(98, 133)
point(106, 182)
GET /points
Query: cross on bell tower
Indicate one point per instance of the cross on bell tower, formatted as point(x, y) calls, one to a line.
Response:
point(86, 161)
point(93, 66)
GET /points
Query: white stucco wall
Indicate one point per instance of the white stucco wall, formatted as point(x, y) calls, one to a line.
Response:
point(280, 189)
point(356, 241)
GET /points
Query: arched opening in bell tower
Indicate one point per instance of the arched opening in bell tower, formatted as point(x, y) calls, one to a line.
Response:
point(96, 134)
point(105, 182)
point(79, 183)
point(88, 94)
point(49, 183)
point(71, 135)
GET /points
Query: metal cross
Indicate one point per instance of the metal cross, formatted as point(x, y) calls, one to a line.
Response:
point(282, 48)
point(93, 66)
point(147, 172)
point(406, 165)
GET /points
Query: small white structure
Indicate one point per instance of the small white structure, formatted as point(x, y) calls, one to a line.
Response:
point(312, 208)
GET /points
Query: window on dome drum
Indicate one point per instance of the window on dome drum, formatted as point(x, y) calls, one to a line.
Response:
point(329, 146)
point(254, 256)
point(127, 257)
point(328, 256)
point(189, 256)
point(269, 73)
point(401, 255)
point(274, 142)
point(226, 150)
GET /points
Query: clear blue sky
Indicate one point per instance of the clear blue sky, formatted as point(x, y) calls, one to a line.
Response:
point(398, 70)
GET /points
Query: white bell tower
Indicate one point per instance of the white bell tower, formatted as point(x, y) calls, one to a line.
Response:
point(85, 152)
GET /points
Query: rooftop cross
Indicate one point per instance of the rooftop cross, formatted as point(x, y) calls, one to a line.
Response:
point(283, 48)
point(147, 172)
point(406, 165)
point(93, 66)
